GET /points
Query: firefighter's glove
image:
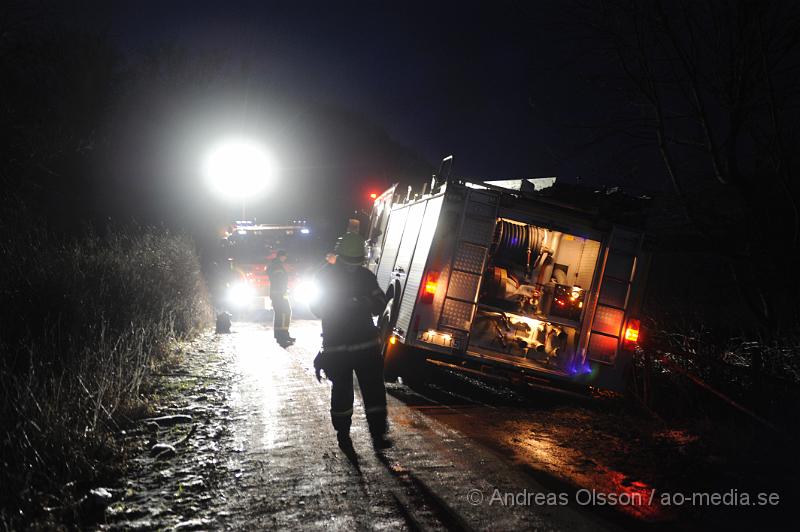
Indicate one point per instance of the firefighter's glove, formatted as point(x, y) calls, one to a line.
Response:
point(318, 366)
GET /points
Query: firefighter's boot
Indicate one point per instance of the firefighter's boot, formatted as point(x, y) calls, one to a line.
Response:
point(377, 430)
point(344, 441)
point(341, 423)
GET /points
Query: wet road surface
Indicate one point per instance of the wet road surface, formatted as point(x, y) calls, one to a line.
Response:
point(263, 455)
point(242, 440)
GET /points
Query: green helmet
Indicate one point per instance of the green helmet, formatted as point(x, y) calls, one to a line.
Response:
point(351, 248)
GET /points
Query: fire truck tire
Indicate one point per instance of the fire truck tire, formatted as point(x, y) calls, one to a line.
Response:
point(388, 318)
point(393, 297)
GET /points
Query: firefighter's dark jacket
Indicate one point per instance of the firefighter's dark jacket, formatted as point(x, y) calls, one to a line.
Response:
point(349, 298)
point(278, 279)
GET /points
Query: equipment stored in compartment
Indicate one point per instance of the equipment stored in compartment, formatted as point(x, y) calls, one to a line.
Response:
point(488, 278)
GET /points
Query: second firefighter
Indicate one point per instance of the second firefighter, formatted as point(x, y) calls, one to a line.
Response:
point(279, 294)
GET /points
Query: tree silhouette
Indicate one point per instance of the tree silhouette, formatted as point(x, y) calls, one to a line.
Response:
point(712, 87)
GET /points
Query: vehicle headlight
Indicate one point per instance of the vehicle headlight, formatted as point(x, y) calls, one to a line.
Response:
point(307, 291)
point(240, 294)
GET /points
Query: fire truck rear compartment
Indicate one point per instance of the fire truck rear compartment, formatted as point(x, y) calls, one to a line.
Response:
point(533, 296)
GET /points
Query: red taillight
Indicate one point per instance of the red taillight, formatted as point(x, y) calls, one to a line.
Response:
point(373, 196)
point(393, 339)
point(631, 337)
point(431, 283)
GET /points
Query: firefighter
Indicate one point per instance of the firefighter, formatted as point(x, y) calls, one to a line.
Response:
point(351, 342)
point(278, 293)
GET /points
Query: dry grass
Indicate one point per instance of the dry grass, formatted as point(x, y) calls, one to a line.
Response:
point(82, 324)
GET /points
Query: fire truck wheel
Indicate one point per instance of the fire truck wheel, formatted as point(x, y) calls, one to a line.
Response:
point(388, 318)
point(393, 303)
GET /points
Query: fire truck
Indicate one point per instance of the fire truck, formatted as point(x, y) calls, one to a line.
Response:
point(526, 280)
point(246, 250)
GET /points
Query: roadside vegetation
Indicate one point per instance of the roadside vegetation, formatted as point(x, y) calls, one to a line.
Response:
point(707, 357)
point(84, 322)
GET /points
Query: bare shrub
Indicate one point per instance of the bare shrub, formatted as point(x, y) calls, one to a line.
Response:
point(84, 321)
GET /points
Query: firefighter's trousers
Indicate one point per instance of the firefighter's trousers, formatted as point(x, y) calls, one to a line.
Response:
point(368, 367)
point(282, 317)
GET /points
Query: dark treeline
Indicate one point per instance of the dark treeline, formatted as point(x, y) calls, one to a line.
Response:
point(699, 101)
point(696, 105)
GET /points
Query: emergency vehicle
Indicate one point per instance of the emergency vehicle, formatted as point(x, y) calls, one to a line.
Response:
point(520, 280)
point(247, 248)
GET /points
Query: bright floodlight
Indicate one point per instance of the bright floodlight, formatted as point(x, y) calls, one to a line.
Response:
point(240, 294)
point(239, 169)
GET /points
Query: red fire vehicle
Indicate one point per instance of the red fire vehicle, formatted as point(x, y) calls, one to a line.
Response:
point(247, 249)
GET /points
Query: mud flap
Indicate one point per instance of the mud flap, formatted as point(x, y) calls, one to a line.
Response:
point(407, 362)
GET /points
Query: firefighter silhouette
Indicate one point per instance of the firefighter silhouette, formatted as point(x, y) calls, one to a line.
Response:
point(350, 297)
point(279, 294)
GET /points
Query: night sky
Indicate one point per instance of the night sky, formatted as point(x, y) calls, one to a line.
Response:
point(441, 78)
point(477, 80)
point(349, 98)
